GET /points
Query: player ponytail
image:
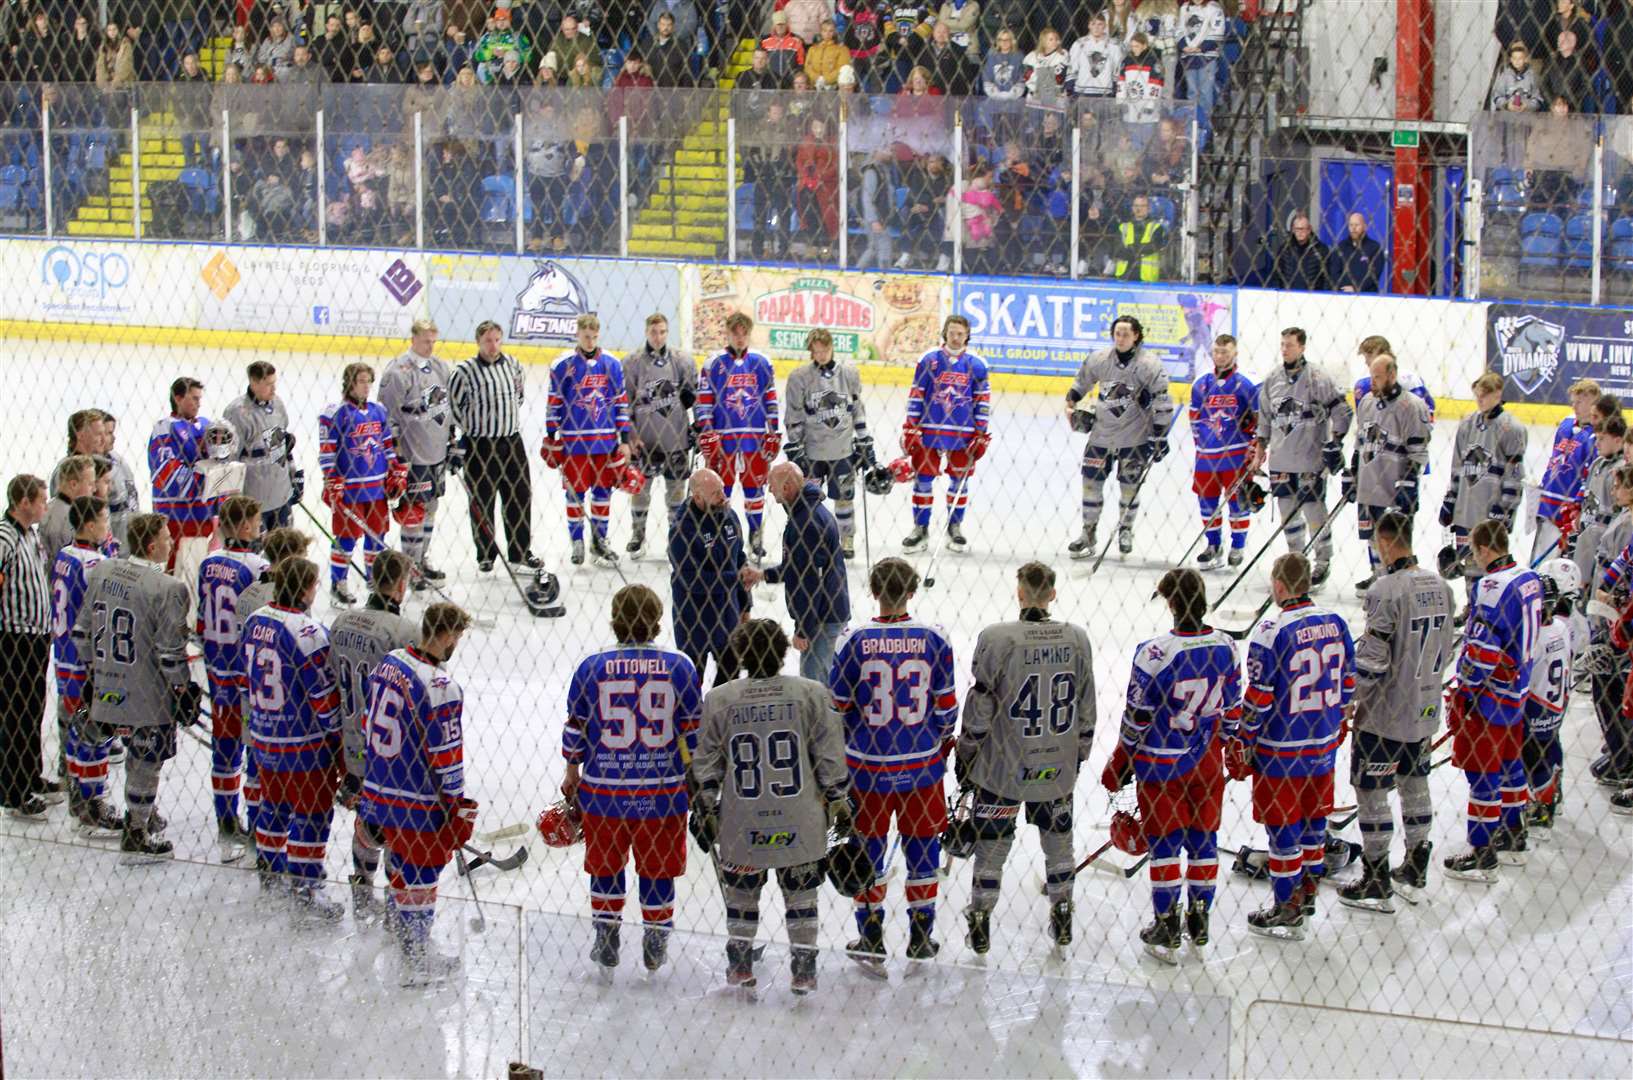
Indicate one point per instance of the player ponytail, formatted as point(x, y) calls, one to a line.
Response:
point(1187, 596)
point(637, 615)
point(292, 579)
point(893, 581)
point(760, 646)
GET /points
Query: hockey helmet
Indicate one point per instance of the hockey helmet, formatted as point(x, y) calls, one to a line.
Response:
point(1127, 835)
point(220, 442)
point(1252, 864)
point(849, 868)
point(881, 478)
point(408, 514)
point(1561, 581)
point(1452, 562)
point(1253, 496)
point(561, 825)
point(631, 480)
point(958, 838)
point(1083, 419)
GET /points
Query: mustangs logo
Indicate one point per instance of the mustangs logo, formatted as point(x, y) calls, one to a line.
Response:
point(1530, 349)
point(549, 305)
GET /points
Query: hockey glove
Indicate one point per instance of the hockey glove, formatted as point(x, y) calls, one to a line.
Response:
point(184, 703)
point(978, 445)
point(704, 822)
point(334, 490)
point(553, 453)
point(1448, 512)
point(1119, 770)
point(840, 821)
point(350, 788)
point(708, 441)
point(1332, 457)
point(912, 438)
point(1158, 447)
point(1570, 516)
point(862, 457)
point(1346, 485)
point(458, 451)
point(289, 445)
point(771, 445)
point(1406, 496)
point(1238, 759)
point(795, 453)
point(963, 761)
point(396, 480)
point(459, 823)
point(297, 485)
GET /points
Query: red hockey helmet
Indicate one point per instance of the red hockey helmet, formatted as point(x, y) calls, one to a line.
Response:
point(409, 514)
point(1127, 835)
point(631, 480)
point(561, 825)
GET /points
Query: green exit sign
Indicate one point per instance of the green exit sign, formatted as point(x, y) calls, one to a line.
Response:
point(1405, 139)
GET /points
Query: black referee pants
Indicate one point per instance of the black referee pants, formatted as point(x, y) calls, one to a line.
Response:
point(24, 661)
point(498, 467)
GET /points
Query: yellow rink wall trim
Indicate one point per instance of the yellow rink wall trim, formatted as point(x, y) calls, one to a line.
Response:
point(542, 355)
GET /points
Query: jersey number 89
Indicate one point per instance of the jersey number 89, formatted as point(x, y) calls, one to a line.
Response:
point(780, 753)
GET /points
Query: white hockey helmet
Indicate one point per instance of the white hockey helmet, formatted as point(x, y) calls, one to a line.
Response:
point(1565, 577)
point(220, 442)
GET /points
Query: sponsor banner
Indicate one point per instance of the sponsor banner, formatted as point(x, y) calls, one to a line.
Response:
point(538, 299)
point(1540, 350)
point(346, 292)
point(874, 318)
point(1050, 328)
point(96, 281)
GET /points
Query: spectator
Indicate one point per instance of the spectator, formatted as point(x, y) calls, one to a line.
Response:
point(367, 182)
point(510, 76)
point(768, 163)
point(243, 49)
point(1356, 262)
point(387, 69)
point(1121, 22)
point(805, 17)
point(684, 12)
point(907, 29)
point(400, 192)
point(280, 161)
point(949, 65)
point(1004, 84)
point(1140, 86)
point(1557, 151)
point(978, 217)
point(878, 205)
point(278, 50)
point(306, 196)
point(928, 183)
point(1618, 20)
point(1301, 260)
point(585, 74)
point(1093, 62)
point(1141, 242)
point(799, 95)
point(759, 75)
point(116, 60)
point(333, 50)
point(78, 63)
point(549, 161)
point(1525, 21)
point(963, 21)
point(786, 52)
point(1167, 157)
point(1516, 89)
point(669, 63)
point(149, 59)
point(192, 110)
point(1569, 75)
point(422, 97)
point(816, 161)
point(262, 76)
point(1045, 71)
point(364, 45)
point(39, 55)
point(571, 42)
point(498, 39)
point(812, 570)
point(422, 24)
point(864, 37)
point(302, 71)
point(454, 182)
point(824, 59)
point(274, 206)
point(455, 53)
point(1015, 183)
point(858, 105)
point(25, 651)
point(1201, 39)
point(1570, 16)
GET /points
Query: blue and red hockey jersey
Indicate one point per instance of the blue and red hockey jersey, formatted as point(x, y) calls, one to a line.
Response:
point(222, 578)
point(173, 449)
point(68, 573)
point(355, 445)
point(1617, 570)
point(629, 709)
point(587, 408)
point(950, 400)
point(413, 730)
point(1503, 634)
point(893, 685)
point(737, 399)
point(1300, 679)
point(1567, 471)
point(294, 709)
point(1224, 415)
point(1183, 689)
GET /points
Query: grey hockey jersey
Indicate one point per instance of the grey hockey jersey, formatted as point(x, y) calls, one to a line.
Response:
point(1400, 658)
point(1134, 406)
point(257, 595)
point(775, 749)
point(1488, 467)
point(263, 447)
point(1611, 543)
point(1031, 710)
point(1599, 509)
point(414, 392)
point(55, 532)
point(132, 634)
point(662, 387)
point(1299, 413)
point(823, 410)
point(358, 640)
point(1391, 444)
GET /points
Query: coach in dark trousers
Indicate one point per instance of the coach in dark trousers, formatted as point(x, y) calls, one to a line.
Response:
point(812, 570)
point(486, 394)
point(708, 599)
point(25, 651)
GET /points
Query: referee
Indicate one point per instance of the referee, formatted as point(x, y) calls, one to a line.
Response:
point(25, 651)
point(486, 394)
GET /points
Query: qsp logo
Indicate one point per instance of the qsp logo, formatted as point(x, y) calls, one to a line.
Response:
point(84, 271)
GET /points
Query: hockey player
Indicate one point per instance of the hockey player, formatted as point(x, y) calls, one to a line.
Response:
point(1184, 695)
point(1375, 345)
point(1301, 440)
point(1028, 724)
point(893, 685)
point(1127, 428)
point(1599, 507)
point(586, 429)
point(1550, 695)
point(1392, 431)
point(1300, 679)
point(414, 392)
point(662, 388)
point(85, 437)
point(948, 411)
point(85, 744)
point(1559, 504)
point(828, 429)
point(737, 422)
point(1224, 414)
point(1488, 469)
point(174, 450)
point(294, 722)
point(414, 776)
point(1398, 663)
point(361, 471)
point(266, 446)
point(131, 631)
point(358, 641)
point(771, 782)
point(222, 579)
point(76, 478)
point(706, 592)
point(1613, 768)
point(1487, 718)
point(632, 717)
point(276, 546)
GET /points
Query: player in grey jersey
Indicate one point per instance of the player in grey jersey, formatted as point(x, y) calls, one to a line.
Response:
point(1488, 471)
point(413, 390)
point(1392, 429)
point(1303, 418)
point(662, 387)
point(1127, 427)
point(276, 546)
point(828, 429)
point(1398, 665)
point(771, 778)
point(1599, 502)
point(358, 640)
point(76, 478)
point(132, 633)
point(265, 446)
point(1028, 723)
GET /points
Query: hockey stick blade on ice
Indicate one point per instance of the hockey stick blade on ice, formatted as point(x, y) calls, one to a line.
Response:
point(480, 859)
point(1309, 544)
point(543, 597)
point(935, 551)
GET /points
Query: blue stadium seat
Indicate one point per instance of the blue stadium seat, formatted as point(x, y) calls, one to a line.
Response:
point(1505, 191)
point(1579, 242)
point(1163, 208)
point(745, 206)
point(1619, 253)
point(203, 196)
point(499, 201)
point(1542, 240)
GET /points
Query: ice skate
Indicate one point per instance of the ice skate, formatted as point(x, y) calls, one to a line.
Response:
point(654, 947)
point(847, 547)
point(367, 910)
point(1212, 558)
point(637, 545)
point(1320, 573)
point(232, 840)
point(1162, 937)
point(116, 751)
point(1125, 541)
point(802, 966)
point(424, 966)
point(1373, 891)
point(1512, 846)
point(916, 541)
point(1412, 876)
point(978, 932)
point(138, 846)
point(601, 551)
point(1478, 865)
point(431, 573)
point(868, 950)
point(340, 596)
point(1539, 820)
point(1308, 885)
point(1283, 921)
point(1365, 583)
point(1060, 922)
point(740, 964)
point(1196, 922)
point(920, 945)
point(312, 908)
point(1236, 557)
point(578, 553)
point(604, 952)
point(1084, 546)
point(1622, 803)
point(95, 819)
point(956, 540)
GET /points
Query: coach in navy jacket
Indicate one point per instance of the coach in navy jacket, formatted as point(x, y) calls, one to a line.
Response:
point(705, 557)
point(812, 571)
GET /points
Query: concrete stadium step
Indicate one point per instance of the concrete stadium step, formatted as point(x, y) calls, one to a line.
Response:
point(699, 157)
point(99, 228)
point(711, 202)
point(645, 230)
point(119, 214)
point(674, 248)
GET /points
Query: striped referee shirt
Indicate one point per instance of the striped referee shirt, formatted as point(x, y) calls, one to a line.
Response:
point(487, 396)
point(25, 588)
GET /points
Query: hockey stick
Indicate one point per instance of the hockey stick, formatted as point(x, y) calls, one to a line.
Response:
point(486, 858)
point(1298, 509)
point(479, 921)
point(1309, 544)
point(1224, 511)
point(504, 832)
point(1332, 827)
point(935, 550)
point(542, 603)
point(867, 543)
point(1133, 499)
point(1043, 886)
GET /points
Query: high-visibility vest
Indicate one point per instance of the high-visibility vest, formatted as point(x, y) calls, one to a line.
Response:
point(1151, 261)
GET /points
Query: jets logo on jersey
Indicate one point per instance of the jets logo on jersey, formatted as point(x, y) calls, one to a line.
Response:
point(739, 400)
point(1153, 652)
point(1564, 450)
point(590, 396)
point(829, 408)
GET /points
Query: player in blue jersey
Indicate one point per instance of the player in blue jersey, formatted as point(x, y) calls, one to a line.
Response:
point(361, 472)
point(222, 578)
point(1487, 714)
point(85, 745)
point(632, 720)
point(892, 684)
point(414, 780)
point(174, 449)
point(949, 408)
point(1559, 503)
point(1184, 695)
point(1300, 680)
point(586, 434)
point(1550, 696)
point(737, 413)
point(1224, 415)
point(294, 723)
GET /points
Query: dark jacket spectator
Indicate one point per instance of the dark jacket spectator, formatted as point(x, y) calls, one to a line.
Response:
point(1167, 157)
point(39, 55)
point(303, 70)
point(667, 60)
point(1570, 74)
point(1524, 21)
point(759, 75)
point(949, 65)
point(787, 52)
point(1301, 260)
point(333, 50)
point(1569, 15)
point(686, 21)
point(707, 597)
point(1618, 16)
point(1356, 262)
point(79, 52)
point(572, 41)
point(813, 566)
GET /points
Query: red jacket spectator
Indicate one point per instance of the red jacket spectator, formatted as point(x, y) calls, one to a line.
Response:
point(786, 50)
point(629, 96)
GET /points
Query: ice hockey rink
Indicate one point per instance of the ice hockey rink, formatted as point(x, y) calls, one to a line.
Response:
point(175, 969)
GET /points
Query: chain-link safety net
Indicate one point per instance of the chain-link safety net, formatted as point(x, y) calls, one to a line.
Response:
point(1106, 531)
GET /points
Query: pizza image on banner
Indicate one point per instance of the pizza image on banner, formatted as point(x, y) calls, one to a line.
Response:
point(1540, 350)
